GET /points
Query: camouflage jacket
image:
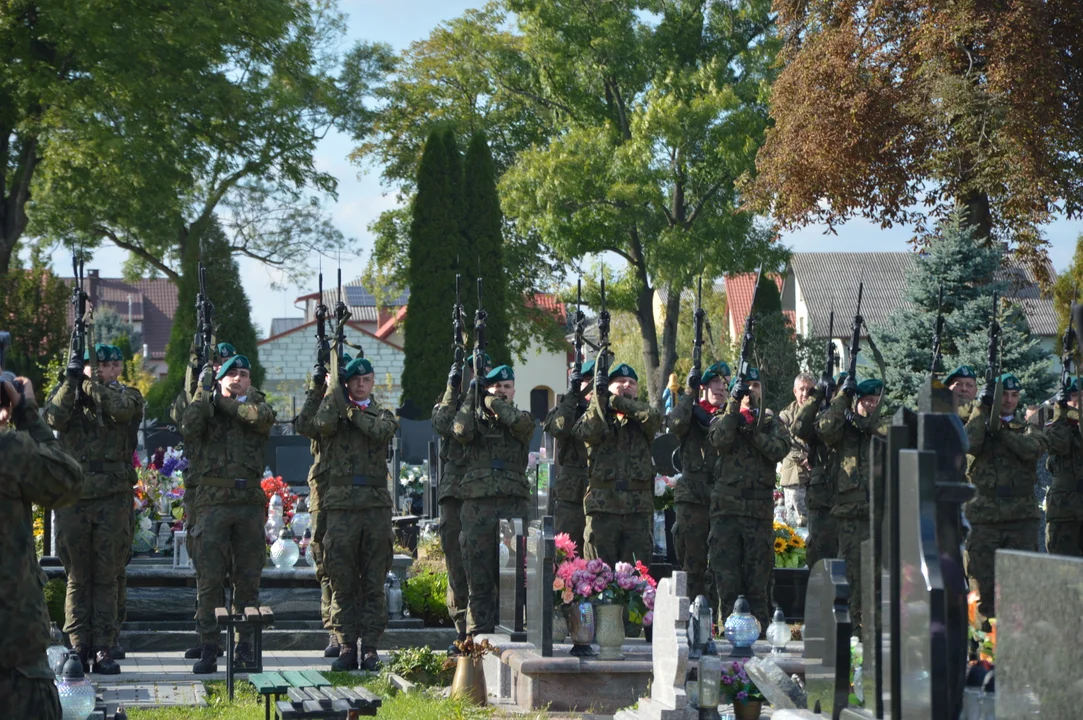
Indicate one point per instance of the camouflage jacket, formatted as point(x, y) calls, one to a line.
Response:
point(698, 456)
point(822, 478)
point(1003, 466)
point(104, 451)
point(848, 434)
point(305, 425)
point(191, 447)
point(231, 438)
point(1064, 501)
point(35, 471)
point(497, 448)
point(744, 484)
point(618, 440)
point(453, 454)
point(571, 451)
point(794, 472)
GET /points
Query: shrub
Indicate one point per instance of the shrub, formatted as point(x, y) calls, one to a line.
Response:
point(55, 591)
point(425, 595)
point(422, 665)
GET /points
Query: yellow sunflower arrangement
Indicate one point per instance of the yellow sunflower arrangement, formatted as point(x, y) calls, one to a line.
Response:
point(790, 549)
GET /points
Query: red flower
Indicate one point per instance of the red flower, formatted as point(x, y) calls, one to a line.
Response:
point(135, 460)
point(645, 574)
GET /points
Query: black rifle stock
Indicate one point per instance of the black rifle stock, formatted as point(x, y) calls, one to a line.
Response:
point(580, 327)
point(480, 318)
point(697, 342)
point(323, 341)
point(205, 346)
point(992, 368)
point(342, 316)
point(78, 330)
point(458, 326)
point(855, 335)
point(743, 364)
point(602, 364)
point(934, 367)
point(829, 359)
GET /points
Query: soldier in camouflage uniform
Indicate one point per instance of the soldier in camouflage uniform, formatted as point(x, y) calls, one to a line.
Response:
point(823, 538)
point(848, 434)
point(497, 438)
point(231, 425)
point(618, 431)
point(963, 383)
point(1064, 502)
point(116, 368)
point(455, 459)
point(750, 442)
point(795, 466)
point(690, 419)
point(355, 510)
point(1002, 465)
point(93, 535)
point(571, 482)
point(34, 471)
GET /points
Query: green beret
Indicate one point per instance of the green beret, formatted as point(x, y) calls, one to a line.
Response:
point(500, 373)
point(1010, 382)
point(841, 376)
point(346, 359)
point(116, 353)
point(1072, 386)
point(719, 369)
point(360, 366)
point(226, 351)
point(101, 350)
point(588, 369)
point(470, 361)
point(871, 386)
point(237, 362)
point(623, 370)
point(753, 376)
point(963, 371)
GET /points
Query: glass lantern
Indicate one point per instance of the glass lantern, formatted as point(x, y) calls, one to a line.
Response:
point(302, 519)
point(284, 552)
point(778, 632)
point(742, 629)
point(75, 691)
point(274, 522)
point(303, 544)
point(393, 591)
point(56, 652)
point(710, 692)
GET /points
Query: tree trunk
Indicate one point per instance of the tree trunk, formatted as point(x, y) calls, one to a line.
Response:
point(649, 333)
point(669, 338)
point(977, 214)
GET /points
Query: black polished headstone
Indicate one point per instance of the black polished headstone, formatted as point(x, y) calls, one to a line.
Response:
point(511, 602)
point(541, 552)
point(662, 451)
point(543, 479)
point(827, 638)
point(414, 437)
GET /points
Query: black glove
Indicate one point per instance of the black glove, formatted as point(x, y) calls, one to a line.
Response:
point(1062, 396)
point(694, 379)
point(75, 367)
point(342, 376)
point(741, 390)
point(574, 381)
point(987, 392)
point(601, 384)
point(319, 374)
point(849, 386)
point(700, 415)
point(825, 387)
point(206, 377)
point(455, 375)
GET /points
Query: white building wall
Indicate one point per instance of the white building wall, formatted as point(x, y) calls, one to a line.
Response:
point(541, 368)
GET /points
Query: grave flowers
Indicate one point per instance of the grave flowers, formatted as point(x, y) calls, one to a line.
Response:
point(663, 492)
point(790, 550)
point(276, 486)
point(740, 690)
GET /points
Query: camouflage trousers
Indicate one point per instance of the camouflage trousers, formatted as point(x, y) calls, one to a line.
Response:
point(28, 697)
point(458, 587)
point(981, 546)
point(742, 555)
point(230, 541)
point(357, 553)
point(691, 530)
point(315, 550)
point(122, 578)
point(92, 538)
point(190, 518)
point(480, 518)
point(852, 533)
point(1064, 537)
point(823, 535)
point(568, 518)
point(620, 538)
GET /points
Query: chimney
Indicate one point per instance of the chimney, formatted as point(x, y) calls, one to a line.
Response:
point(93, 282)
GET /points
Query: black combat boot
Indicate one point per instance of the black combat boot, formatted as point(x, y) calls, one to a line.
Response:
point(452, 649)
point(208, 660)
point(347, 658)
point(117, 652)
point(84, 656)
point(244, 655)
point(194, 653)
point(333, 648)
point(370, 660)
point(104, 664)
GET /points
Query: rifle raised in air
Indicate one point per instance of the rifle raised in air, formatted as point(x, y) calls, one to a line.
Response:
point(934, 367)
point(828, 375)
point(458, 326)
point(602, 364)
point(743, 364)
point(698, 318)
point(323, 340)
point(480, 319)
point(992, 368)
point(855, 335)
point(206, 350)
point(342, 316)
point(580, 327)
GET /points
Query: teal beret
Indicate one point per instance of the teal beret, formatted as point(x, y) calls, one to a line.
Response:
point(237, 362)
point(470, 361)
point(101, 350)
point(360, 366)
point(753, 376)
point(719, 369)
point(1072, 386)
point(623, 370)
point(346, 359)
point(116, 353)
point(588, 369)
point(226, 351)
point(1010, 382)
point(500, 373)
point(872, 386)
point(963, 371)
point(842, 376)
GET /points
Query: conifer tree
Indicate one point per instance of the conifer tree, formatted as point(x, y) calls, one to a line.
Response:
point(774, 349)
point(232, 315)
point(967, 270)
point(483, 243)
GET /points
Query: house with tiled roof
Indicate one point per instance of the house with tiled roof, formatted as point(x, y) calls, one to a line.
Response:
point(148, 305)
point(816, 283)
point(740, 288)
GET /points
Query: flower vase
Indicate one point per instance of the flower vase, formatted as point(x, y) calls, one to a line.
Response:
point(609, 631)
point(469, 681)
point(747, 709)
point(581, 628)
point(560, 625)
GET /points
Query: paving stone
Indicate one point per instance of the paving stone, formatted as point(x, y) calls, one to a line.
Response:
point(154, 694)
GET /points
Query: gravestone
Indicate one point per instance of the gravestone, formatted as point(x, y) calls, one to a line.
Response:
point(291, 458)
point(827, 638)
point(511, 596)
point(662, 451)
point(543, 474)
point(1038, 655)
point(669, 650)
point(779, 689)
point(541, 552)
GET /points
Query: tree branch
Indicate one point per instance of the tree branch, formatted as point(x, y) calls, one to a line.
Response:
point(703, 201)
point(139, 251)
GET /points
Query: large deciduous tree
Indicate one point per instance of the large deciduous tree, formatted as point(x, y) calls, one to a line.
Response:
point(33, 308)
point(885, 107)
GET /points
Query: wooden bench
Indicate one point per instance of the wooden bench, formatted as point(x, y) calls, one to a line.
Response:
point(252, 619)
point(311, 696)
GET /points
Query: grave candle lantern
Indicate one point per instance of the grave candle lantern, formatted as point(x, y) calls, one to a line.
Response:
point(710, 680)
point(778, 632)
point(742, 629)
point(284, 552)
point(75, 691)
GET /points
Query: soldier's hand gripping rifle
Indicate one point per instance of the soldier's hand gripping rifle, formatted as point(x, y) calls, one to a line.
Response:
point(323, 340)
point(580, 328)
point(934, 367)
point(342, 316)
point(458, 326)
point(82, 336)
point(850, 384)
point(206, 351)
point(994, 389)
point(480, 318)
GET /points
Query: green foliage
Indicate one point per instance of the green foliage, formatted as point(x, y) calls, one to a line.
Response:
point(421, 665)
point(967, 269)
point(110, 327)
point(774, 352)
point(55, 592)
point(232, 316)
point(1066, 289)
point(425, 594)
point(33, 308)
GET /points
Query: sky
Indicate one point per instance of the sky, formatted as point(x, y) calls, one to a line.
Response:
point(362, 198)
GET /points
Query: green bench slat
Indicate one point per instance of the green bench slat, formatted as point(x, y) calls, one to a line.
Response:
point(269, 683)
point(315, 679)
point(297, 679)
